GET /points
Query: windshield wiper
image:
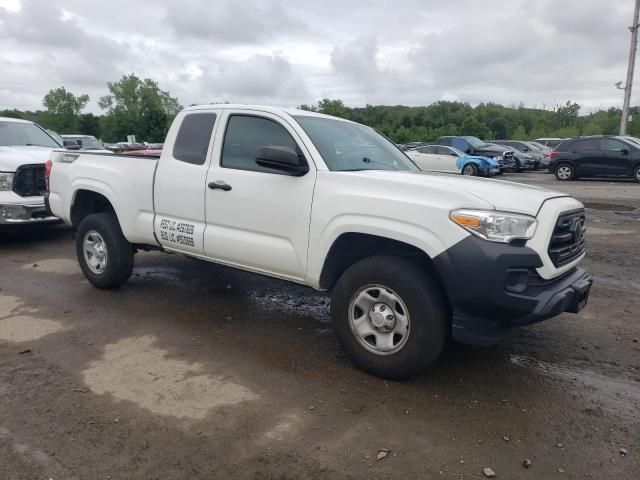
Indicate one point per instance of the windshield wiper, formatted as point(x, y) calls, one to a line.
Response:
point(387, 166)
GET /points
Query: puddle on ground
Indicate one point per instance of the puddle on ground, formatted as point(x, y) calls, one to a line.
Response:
point(168, 274)
point(17, 326)
point(611, 207)
point(136, 370)
point(618, 395)
point(292, 302)
point(64, 266)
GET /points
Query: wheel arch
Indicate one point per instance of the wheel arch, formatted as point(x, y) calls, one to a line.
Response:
point(351, 247)
point(86, 202)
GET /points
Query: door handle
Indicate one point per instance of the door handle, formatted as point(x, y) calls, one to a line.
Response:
point(219, 185)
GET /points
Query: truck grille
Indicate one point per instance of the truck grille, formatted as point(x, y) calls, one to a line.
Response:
point(568, 238)
point(29, 181)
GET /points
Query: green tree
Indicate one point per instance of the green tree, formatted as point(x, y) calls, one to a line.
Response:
point(519, 134)
point(137, 107)
point(472, 126)
point(63, 109)
point(89, 124)
point(333, 107)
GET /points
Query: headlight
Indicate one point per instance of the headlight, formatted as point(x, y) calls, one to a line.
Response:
point(497, 158)
point(496, 226)
point(6, 181)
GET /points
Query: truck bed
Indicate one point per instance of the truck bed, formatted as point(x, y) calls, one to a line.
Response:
point(125, 180)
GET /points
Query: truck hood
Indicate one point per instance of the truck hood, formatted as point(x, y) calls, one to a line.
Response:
point(504, 196)
point(12, 157)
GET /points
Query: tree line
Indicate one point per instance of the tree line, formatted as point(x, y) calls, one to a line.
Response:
point(135, 106)
point(488, 121)
point(132, 106)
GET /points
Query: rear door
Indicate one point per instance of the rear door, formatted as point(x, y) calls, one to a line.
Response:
point(586, 154)
point(447, 160)
point(260, 220)
point(179, 187)
point(615, 157)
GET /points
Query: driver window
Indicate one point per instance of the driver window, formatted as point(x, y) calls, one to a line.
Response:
point(612, 145)
point(245, 135)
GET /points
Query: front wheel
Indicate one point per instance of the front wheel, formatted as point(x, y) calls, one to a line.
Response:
point(470, 169)
point(104, 254)
point(518, 166)
point(565, 172)
point(390, 315)
point(636, 173)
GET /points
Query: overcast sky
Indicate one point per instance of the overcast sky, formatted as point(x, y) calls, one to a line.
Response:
point(288, 52)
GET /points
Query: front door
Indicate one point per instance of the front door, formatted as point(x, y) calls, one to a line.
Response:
point(615, 157)
point(179, 187)
point(257, 218)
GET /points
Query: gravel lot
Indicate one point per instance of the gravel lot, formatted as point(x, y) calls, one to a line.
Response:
point(196, 371)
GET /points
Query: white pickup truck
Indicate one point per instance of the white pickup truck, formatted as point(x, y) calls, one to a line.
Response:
point(410, 259)
point(24, 149)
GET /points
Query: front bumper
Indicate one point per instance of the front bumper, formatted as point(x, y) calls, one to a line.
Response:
point(493, 287)
point(17, 214)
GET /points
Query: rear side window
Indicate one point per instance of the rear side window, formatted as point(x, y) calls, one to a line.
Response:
point(427, 149)
point(587, 144)
point(245, 135)
point(193, 138)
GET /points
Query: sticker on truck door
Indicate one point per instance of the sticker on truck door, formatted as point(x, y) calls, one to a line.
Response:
point(178, 233)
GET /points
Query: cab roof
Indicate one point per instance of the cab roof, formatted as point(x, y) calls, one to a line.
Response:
point(16, 120)
point(263, 108)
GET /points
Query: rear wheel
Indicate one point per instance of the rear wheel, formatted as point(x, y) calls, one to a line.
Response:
point(565, 172)
point(390, 316)
point(636, 173)
point(105, 256)
point(470, 169)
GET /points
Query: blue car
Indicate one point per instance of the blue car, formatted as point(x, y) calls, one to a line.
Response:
point(441, 158)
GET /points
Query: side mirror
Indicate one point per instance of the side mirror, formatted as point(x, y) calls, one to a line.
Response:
point(283, 159)
point(525, 149)
point(624, 151)
point(71, 145)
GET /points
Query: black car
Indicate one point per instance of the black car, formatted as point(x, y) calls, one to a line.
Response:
point(475, 146)
point(596, 156)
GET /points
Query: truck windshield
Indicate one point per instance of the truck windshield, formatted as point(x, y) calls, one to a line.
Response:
point(347, 146)
point(17, 134)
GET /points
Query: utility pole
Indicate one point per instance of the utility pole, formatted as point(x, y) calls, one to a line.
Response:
point(630, 68)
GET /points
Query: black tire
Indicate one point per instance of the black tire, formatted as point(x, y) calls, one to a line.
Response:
point(119, 252)
point(518, 166)
point(428, 312)
point(470, 169)
point(636, 174)
point(565, 172)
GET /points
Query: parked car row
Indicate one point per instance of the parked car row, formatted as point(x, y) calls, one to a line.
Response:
point(472, 156)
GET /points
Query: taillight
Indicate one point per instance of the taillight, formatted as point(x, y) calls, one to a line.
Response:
point(553, 155)
point(47, 172)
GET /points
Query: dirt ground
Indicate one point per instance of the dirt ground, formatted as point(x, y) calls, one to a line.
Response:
point(193, 371)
